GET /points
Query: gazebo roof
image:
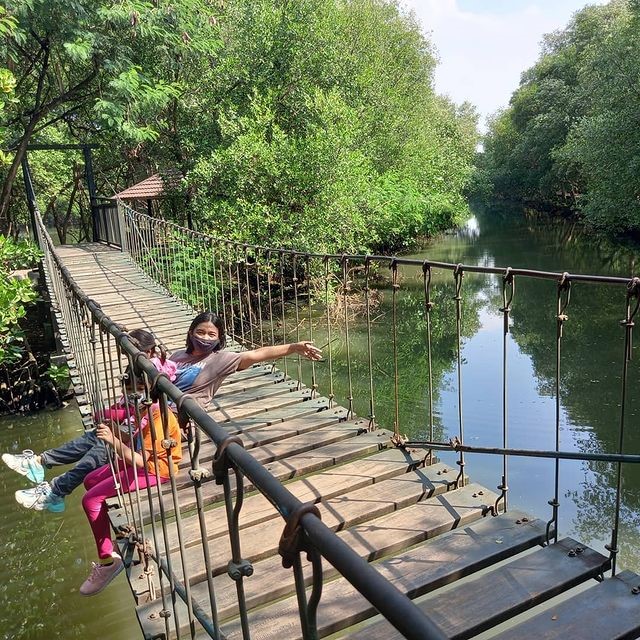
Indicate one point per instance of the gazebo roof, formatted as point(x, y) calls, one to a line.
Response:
point(152, 187)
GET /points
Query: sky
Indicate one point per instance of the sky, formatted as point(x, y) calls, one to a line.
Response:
point(484, 45)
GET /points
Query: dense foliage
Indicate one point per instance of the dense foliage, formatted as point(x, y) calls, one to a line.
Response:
point(570, 137)
point(298, 123)
point(15, 294)
point(78, 69)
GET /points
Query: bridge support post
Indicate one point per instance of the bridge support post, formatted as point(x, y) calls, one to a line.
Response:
point(91, 186)
point(122, 227)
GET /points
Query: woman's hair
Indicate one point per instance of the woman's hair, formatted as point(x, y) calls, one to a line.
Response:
point(206, 316)
point(146, 341)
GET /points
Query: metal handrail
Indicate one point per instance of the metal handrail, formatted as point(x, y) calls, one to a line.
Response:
point(315, 536)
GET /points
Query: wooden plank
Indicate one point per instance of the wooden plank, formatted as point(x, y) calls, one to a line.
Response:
point(606, 611)
point(279, 414)
point(296, 465)
point(294, 445)
point(420, 570)
point(130, 278)
point(502, 593)
point(379, 538)
point(272, 435)
point(266, 379)
point(143, 306)
point(229, 402)
point(261, 541)
point(169, 316)
point(325, 485)
point(247, 409)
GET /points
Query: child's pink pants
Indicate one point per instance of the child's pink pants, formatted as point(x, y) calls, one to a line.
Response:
point(100, 486)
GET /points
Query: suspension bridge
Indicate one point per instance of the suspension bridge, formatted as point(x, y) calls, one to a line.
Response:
point(291, 516)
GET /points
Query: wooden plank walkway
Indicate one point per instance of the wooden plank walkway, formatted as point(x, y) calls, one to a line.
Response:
point(394, 508)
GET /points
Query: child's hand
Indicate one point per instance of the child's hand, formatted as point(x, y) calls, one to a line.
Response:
point(104, 433)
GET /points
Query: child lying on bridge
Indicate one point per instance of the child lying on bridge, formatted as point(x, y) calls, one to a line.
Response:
point(87, 451)
point(146, 468)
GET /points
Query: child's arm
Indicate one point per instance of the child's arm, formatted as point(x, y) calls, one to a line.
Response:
point(132, 458)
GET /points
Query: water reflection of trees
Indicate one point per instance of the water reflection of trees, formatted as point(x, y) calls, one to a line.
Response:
point(413, 379)
point(596, 498)
point(591, 348)
point(592, 354)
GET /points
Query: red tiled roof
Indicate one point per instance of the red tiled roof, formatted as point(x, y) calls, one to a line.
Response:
point(151, 188)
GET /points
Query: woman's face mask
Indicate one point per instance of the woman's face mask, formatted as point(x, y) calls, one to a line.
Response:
point(205, 346)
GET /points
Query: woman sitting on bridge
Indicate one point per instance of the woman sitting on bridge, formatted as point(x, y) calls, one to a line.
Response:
point(203, 365)
point(144, 468)
point(87, 451)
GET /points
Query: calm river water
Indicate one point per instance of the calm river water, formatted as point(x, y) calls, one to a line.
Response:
point(46, 556)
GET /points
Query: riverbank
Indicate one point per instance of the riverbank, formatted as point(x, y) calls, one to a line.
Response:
point(47, 556)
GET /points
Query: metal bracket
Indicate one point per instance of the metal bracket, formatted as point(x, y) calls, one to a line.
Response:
point(220, 465)
point(198, 475)
point(399, 441)
point(290, 541)
point(239, 570)
point(169, 443)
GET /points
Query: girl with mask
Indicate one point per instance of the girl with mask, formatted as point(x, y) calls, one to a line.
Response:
point(144, 468)
point(203, 365)
point(87, 451)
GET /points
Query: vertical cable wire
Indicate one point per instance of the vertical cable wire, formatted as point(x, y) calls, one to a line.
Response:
point(314, 382)
point(284, 319)
point(168, 444)
point(508, 289)
point(214, 305)
point(345, 293)
point(174, 281)
point(259, 297)
point(232, 309)
point(238, 568)
point(395, 287)
point(270, 296)
point(631, 309)
point(223, 302)
point(111, 401)
point(197, 475)
point(248, 290)
point(458, 274)
point(327, 307)
point(297, 317)
point(131, 421)
point(563, 297)
point(372, 405)
point(163, 515)
point(240, 306)
point(203, 267)
point(191, 262)
point(428, 306)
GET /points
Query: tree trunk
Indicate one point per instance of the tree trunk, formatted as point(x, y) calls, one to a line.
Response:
point(7, 187)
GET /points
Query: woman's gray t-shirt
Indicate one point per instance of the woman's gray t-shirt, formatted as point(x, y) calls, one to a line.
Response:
point(201, 377)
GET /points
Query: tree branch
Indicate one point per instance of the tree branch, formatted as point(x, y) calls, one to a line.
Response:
point(68, 112)
point(70, 93)
point(41, 78)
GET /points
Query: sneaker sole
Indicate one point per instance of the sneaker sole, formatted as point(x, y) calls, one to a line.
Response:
point(27, 473)
point(20, 470)
point(27, 504)
point(105, 585)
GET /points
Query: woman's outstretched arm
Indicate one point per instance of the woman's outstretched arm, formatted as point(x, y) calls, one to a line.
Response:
point(306, 349)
